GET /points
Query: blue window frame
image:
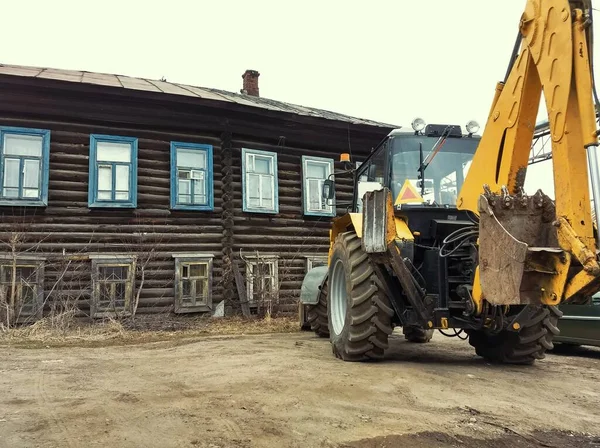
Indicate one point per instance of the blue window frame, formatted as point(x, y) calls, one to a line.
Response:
point(191, 176)
point(24, 162)
point(259, 181)
point(113, 171)
point(315, 170)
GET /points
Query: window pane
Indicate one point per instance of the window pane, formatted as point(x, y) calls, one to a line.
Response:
point(191, 159)
point(11, 173)
point(315, 262)
point(104, 301)
point(202, 289)
point(185, 190)
point(267, 191)
point(185, 288)
point(122, 179)
point(26, 274)
point(316, 170)
point(252, 190)
point(184, 199)
point(198, 270)
point(267, 203)
point(183, 174)
point(256, 288)
point(105, 177)
point(314, 195)
point(113, 152)
point(120, 291)
point(105, 182)
point(268, 284)
point(113, 273)
point(11, 192)
point(198, 175)
point(31, 193)
point(31, 173)
point(199, 192)
point(23, 145)
point(26, 300)
point(185, 186)
point(264, 268)
point(262, 164)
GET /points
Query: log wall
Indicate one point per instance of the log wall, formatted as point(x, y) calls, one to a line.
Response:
point(68, 229)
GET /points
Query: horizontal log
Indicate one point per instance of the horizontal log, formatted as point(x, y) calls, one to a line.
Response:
point(43, 229)
point(155, 310)
point(42, 248)
point(138, 240)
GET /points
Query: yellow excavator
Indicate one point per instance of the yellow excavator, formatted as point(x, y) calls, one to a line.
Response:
point(442, 234)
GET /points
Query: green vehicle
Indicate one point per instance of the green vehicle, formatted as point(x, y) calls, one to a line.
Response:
point(580, 324)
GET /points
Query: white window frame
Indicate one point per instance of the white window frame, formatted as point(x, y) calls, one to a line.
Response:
point(248, 157)
point(112, 260)
point(186, 259)
point(311, 259)
point(254, 261)
point(326, 209)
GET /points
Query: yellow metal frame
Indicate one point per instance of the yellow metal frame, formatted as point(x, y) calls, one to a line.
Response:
point(553, 60)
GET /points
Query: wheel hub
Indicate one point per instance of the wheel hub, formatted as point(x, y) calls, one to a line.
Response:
point(338, 297)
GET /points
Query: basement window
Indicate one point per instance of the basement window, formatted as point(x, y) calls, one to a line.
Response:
point(262, 279)
point(113, 171)
point(193, 283)
point(315, 170)
point(112, 285)
point(314, 261)
point(191, 176)
point(21, 289)
point(260, 184)
point(24, 160)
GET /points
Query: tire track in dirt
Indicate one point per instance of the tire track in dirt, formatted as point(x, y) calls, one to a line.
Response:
point(232, 429)
point(128, 417)
point(46, 407)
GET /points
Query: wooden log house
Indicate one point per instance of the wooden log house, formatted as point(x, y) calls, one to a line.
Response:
point(121, 195)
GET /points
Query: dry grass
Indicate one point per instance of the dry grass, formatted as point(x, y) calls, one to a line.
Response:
point(65, 330)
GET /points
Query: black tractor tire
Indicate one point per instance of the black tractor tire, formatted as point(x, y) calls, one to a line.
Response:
point(520, 347)
point(417, 334)
point(367, 321)
point(317, 315)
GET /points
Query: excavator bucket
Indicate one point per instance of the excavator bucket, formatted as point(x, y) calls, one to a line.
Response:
point(520, 261)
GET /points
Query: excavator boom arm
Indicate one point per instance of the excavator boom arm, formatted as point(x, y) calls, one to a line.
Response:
point(554, 59)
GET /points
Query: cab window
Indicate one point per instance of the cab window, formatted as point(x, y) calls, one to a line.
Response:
point(445, 173)
point(371, 176)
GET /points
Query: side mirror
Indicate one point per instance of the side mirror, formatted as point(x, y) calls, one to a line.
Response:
point(328, 189)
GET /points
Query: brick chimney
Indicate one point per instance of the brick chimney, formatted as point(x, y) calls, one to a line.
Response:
point(250, 85)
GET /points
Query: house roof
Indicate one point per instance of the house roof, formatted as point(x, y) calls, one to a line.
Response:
point(169, 88)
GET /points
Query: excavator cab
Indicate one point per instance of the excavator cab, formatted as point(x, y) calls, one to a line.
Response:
point(426, 167)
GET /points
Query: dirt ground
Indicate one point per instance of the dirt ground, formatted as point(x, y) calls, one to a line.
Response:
point(287, 390)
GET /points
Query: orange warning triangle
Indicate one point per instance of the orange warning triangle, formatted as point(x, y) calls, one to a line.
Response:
point(407, 194)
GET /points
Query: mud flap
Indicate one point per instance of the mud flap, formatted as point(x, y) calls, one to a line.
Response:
point(378, 228)
point(520, 262)
point(311, 285)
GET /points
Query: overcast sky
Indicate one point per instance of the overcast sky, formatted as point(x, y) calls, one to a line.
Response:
point(383, 60)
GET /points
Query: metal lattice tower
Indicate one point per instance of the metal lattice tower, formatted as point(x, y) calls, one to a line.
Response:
point(541, 147)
